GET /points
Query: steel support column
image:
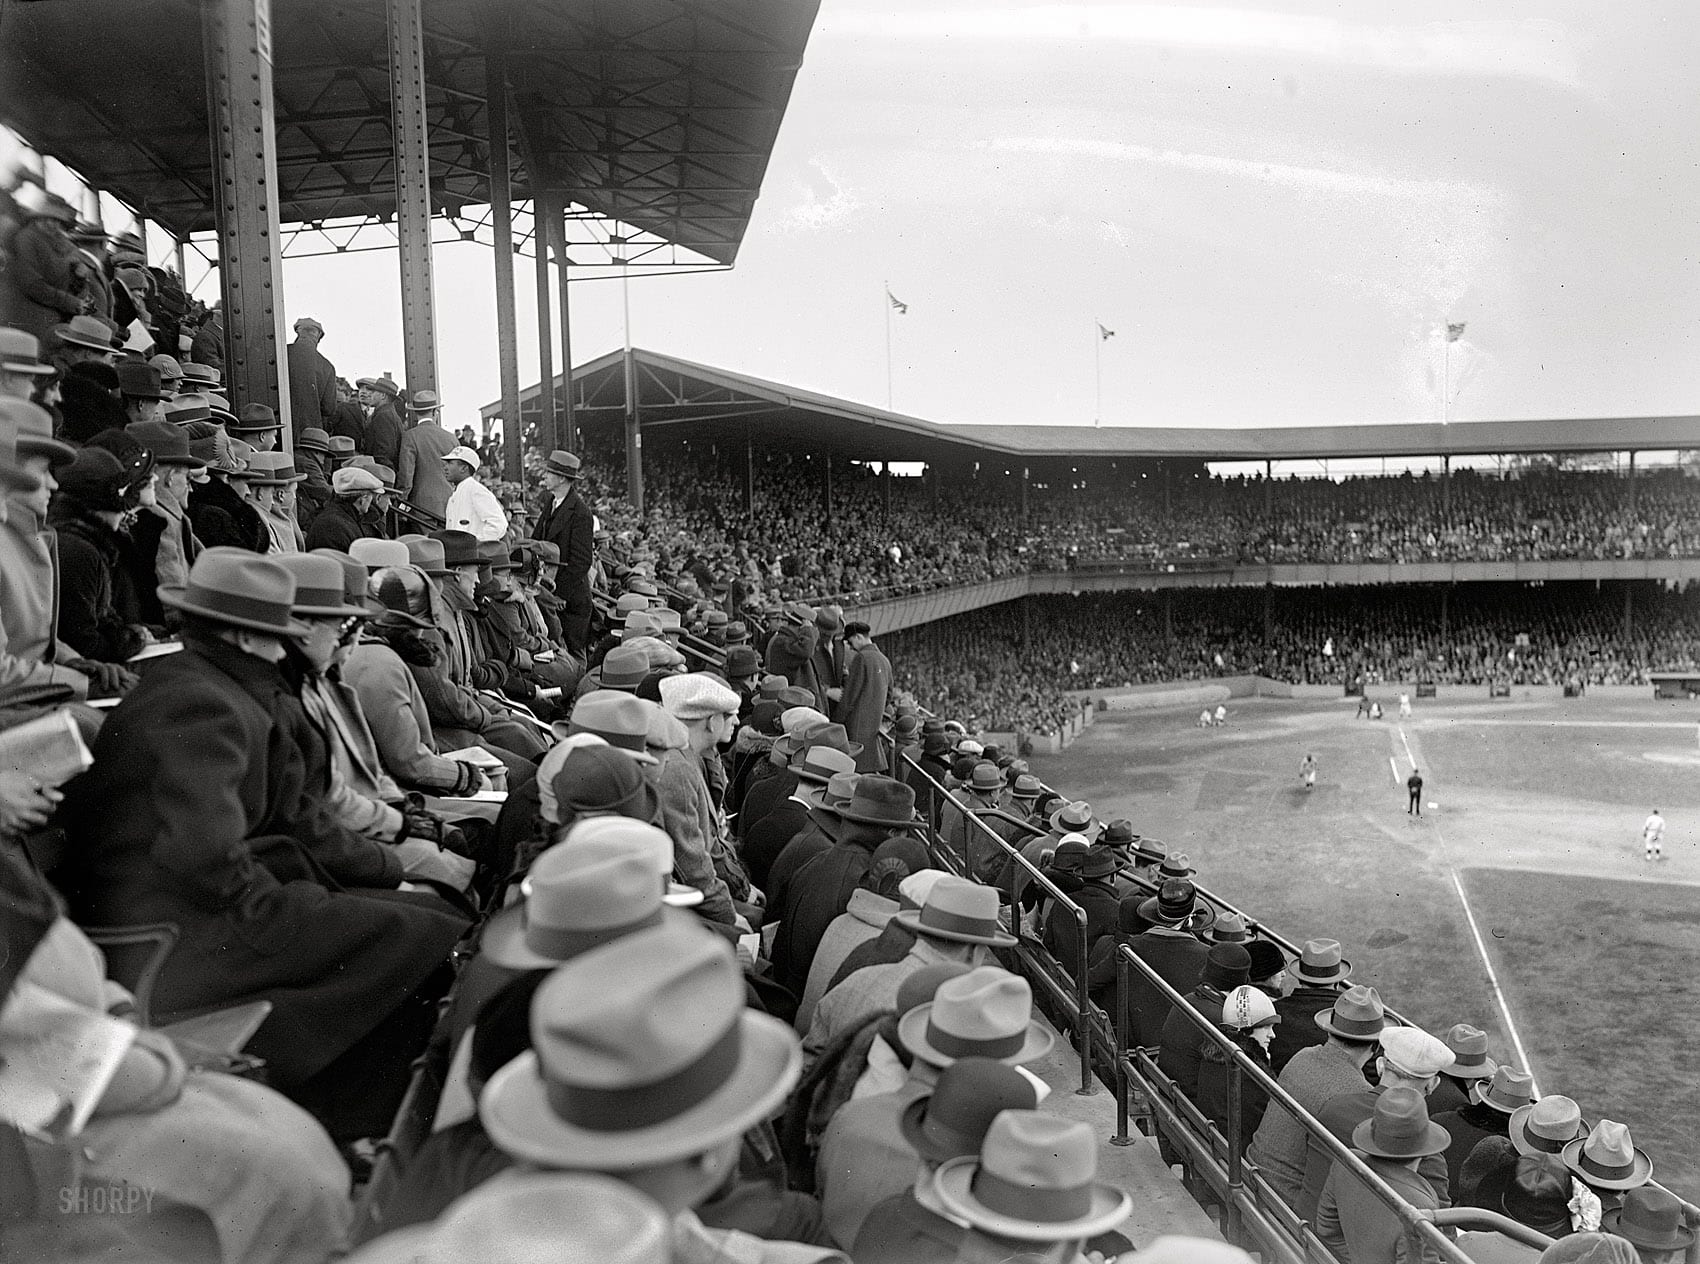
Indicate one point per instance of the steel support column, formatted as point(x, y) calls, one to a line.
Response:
point(749, 469)
point(236, 39)
point(569, 415)
point(826, 490)
point(412, 193)
point(1446, 485)
point(885, 484)
point(634, 436)
point(1631, 485)
point(501, 219)
point(548, 425)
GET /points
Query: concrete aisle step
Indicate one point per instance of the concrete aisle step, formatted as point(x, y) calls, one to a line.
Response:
point(1161, 1204)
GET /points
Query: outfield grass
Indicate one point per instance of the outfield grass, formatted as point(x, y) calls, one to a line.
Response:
point(1551, 795)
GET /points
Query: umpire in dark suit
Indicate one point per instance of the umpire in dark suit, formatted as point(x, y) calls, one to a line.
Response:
point(566, 522)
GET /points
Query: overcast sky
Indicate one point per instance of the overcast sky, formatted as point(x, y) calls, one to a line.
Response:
point(1276, 209)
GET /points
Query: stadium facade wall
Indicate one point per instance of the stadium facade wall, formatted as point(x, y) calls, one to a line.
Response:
point(1199, 693)
point(906, 612)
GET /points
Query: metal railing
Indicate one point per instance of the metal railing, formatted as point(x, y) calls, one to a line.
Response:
point(1068, 993)
point(1253, 1214)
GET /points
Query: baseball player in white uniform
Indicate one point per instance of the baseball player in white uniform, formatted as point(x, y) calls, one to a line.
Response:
point(1653, 834)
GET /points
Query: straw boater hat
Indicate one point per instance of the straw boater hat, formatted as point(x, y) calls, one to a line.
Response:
point(985, 1013)
point(960, 911)
point(665, 1064)
point(1035, 1179)
point(238, 589)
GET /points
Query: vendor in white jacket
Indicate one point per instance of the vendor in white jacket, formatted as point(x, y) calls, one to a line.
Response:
point(472, 507)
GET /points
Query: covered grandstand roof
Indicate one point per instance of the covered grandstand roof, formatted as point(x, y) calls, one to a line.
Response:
point(718, 404)
point(659, 114)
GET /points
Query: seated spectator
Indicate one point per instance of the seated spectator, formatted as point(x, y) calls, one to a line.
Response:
point(1319, 976)
point(193, 831)
point(1492, 1103)
point(1249, 1017)
point(1395, 1139)
point(1168, 947)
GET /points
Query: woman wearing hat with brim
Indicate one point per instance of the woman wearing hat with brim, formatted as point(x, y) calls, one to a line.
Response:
point(1034, 1180)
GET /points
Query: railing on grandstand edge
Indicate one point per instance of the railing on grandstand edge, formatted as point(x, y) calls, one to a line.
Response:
point(1031, 953)
point(1253, 1214)
point(706, 654)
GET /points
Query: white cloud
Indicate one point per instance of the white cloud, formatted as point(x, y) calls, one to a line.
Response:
point(817, 207)
point(1531, 49)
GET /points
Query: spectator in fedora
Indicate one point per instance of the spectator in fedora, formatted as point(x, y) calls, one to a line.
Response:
point(567, 523)
point(1032, 1191)
point(948, 1123)
point(143, 396)
point(1168, 947)
point(1408, 1058)
point(1654, 1221)
point(1319, 975)
point(1315, 1077)
point(312, 378)
point(957, 922)
point(864, 1156)
point(568, 1216)
point(867, 687)
point(348, 420)
point(1608, 1162)
point(1093, 889)
point(1492, 1103)
point(584, 1098)
point(821, 888)
point(703, 713)
point(1395, 1139)
point(825, 825)
point(174, 546)
point(804, 729)
point(420, 477)
point(1470, 1063)
point(773, 831)
point(257, 425)
point(186, 831)
point(41, 285)
point(981, 792)
point(1249, 1018)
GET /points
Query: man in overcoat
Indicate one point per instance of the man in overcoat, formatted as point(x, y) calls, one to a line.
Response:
point(568, 524)
point(867, 685)
point(205, 808)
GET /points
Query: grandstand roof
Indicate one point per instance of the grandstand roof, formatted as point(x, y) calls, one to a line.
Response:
point(660, 114)
point(718, 404)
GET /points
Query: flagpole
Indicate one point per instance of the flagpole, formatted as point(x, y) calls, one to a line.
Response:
point(887, 306)
point(1446, 378)
point(1097, 372)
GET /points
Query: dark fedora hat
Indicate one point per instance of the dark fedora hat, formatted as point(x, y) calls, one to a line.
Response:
point(255, 418)
point(460, 548)
point(616, 717)
point(742, 661)
point(138, 379)
point(168, 443)
point(239, 589)
point(1400, 1127)
point(1537, 1194)
point(313, 439)
point(320, 592)
point(971, 1092)
point(882, 801)
point(1175, 903)
point(1651, 1218)
point(424, 402)
point(1100, 862)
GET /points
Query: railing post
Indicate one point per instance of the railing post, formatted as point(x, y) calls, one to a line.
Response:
point(1119, 1018)
point(1083, 1023)
point(1236, 1164)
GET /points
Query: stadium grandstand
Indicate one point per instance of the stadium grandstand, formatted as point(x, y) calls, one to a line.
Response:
point(619, 831)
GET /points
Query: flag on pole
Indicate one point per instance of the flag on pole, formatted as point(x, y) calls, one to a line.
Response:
point(1105, 335)
point(1455, 332)
point(902, 307)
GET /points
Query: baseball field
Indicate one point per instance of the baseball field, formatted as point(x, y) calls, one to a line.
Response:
point(1526, 867)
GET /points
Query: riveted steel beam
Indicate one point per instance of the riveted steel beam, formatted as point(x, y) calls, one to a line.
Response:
point(412, 193)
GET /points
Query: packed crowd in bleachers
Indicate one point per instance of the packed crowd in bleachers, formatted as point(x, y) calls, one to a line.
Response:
point(295, 794)
point(1559, 633)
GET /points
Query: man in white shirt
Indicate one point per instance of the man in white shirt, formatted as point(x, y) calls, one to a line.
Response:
point(1653, 834)
point(472, 507)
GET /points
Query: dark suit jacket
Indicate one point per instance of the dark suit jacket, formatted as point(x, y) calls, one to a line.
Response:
point(312, 386)
point(570, 527)
point(1179, 960)
point(1297, 1028)
point(205, 807)
point(383, 435)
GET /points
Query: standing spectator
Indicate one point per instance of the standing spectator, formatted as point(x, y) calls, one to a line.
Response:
point(312, 378)
point(43, 288)
point(349, 420)
point(472, 507)
point(867, 685)
point(568, 525)
point(420, 478)
point(382, 436)
point(208, 348)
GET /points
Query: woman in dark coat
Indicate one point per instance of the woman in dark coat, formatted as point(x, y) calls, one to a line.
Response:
point(203, 809)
